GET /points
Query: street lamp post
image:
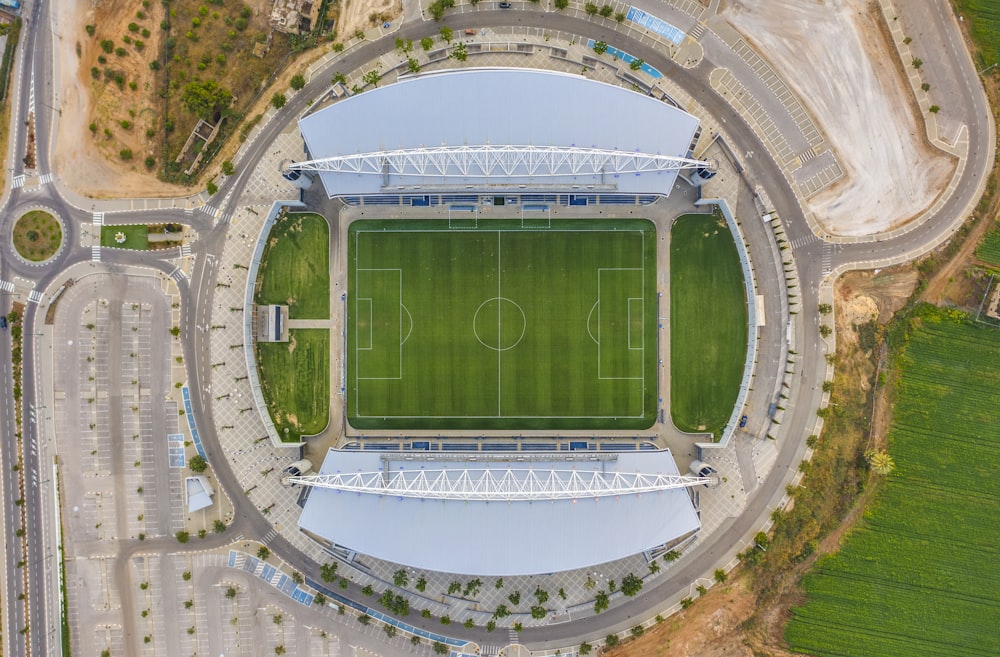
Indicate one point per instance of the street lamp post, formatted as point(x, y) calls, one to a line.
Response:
point(988, 68)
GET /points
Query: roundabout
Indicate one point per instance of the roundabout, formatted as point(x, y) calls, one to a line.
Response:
point(37, 235)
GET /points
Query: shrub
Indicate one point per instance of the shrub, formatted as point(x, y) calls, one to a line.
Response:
point(154, 65)
point(182, 536)
point(133, 27)
point(197, 463)
point(125, 154)
point(108, 46)
point(933, 109)
point(211, 188)
point(90, 29)
point(150, 162)
point(228, 168)
point(126, 124)
point(93, 127)
point(611, 640)
point(241, 23)
point(121, 52)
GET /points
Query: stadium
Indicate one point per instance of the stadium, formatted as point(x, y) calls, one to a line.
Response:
point(479, 309)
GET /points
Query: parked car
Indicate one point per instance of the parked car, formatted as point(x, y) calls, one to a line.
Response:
point(3, 322)
point(505, 5)
point(743, 421)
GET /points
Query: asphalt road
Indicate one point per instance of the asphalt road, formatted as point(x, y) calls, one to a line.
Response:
point(35, 64)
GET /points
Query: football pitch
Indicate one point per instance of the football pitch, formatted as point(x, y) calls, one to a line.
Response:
point(502, 326)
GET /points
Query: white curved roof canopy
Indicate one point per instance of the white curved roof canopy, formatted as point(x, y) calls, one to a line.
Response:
point(498, 128)
point(499, 537)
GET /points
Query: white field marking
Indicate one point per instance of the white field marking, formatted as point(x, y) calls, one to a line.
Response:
point(499, 306)
point(357, 316)
point(357, 376)
point(407, 311)
point(601, 377)
point(590, 315)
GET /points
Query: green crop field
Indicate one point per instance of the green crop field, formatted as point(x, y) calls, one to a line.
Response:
point(295, 267)
point(295, 380)
point(989, 249)
point(708, 323)
point(983, 18)
point(921, 575)
point(499, 326)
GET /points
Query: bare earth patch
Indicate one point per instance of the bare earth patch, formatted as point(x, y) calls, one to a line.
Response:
point(86, 162)
point(833, 53)
point(356, 13)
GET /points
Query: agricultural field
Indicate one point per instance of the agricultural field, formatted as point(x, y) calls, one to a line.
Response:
point(136, 237)
point(989, 249)
point(983, 18)
point(295, 380)
point(295, 267)
point(498, 325)
point(921, 573)
point(708, 323)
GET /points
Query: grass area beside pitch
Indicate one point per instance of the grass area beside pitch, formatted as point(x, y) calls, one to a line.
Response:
point(136, 237)
point(295, 267)
point(496, 326)
point(295, 380)
point(920, 575)
point(708, 323)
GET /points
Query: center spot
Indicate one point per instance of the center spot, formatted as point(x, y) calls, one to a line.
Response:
point(499, 324)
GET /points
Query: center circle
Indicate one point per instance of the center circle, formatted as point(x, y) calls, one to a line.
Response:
point(499, 324)
point(37, 235)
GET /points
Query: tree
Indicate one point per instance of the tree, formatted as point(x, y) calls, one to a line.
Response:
point(585, 648)
point(446, 33)
point(636, 64)
point(211, 188)
point(720, 575)
point(427, 43)
point(619, 18)
point(537, 612)
point(372, 77)
point(460, 52)
point(631, 585)
point(339, 78)
point(263, 552)
point(328, 571)
point(206, 99)
point(611, 640)
point(590, 8)
point(880, 461)
point(231, 592)
point(637, 631)
point(413, 65)
point(600, 47)
point(601, 602)
point(825, 330)
point(400, 577)
point(197, 463)
point(278, 100)
point(319, 599)
point(561, 4)
point(297, 82)
point(824, 308)
point(440, 648)
point(606, 11)
point(228, 168)
point(182, 536)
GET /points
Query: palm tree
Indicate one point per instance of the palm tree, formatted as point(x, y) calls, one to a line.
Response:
point(880, 461)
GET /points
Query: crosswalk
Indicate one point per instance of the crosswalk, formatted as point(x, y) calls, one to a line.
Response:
point(35, 296)
point(95, 253)
point(804, 240)
point(270, 536)
point(806, 155)
point(17, 181)
point(185, 250)
point(6, 286)
point(98, 219)
point(827, 258)
point(512, 635)
point(177, 274)
point(46, 178)
point(210, 210)
point(697, 31)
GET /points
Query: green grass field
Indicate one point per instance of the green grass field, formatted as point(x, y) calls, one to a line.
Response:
point(136, 237)
point(708, 323)
point(502, 327)
point(921, 575)
point(295, 267)
point(983, 17)
point(295, 380)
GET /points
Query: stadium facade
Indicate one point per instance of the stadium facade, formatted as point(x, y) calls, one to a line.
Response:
point(498, 131)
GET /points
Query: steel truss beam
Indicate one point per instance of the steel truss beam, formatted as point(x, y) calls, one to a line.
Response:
point(509, 484)
point(488, 161)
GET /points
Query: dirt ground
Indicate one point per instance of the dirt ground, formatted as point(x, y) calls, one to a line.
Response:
point(356, 13)
point(854, 83)
point(89, 163)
